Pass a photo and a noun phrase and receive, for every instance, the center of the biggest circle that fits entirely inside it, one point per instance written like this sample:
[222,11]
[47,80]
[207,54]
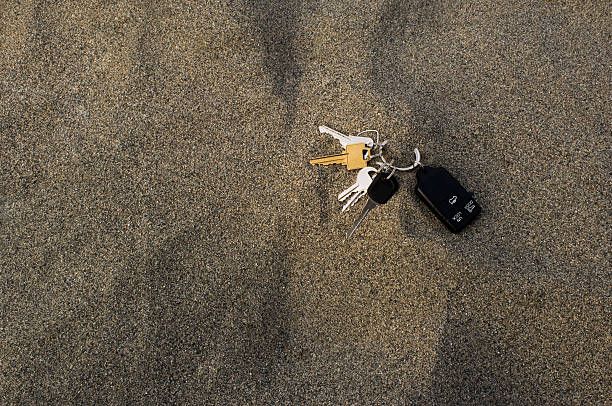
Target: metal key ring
[417,162]
[380,145]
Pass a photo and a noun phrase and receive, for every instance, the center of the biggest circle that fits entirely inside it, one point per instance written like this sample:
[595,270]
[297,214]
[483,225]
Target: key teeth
[323,129]
[347,192]
[346,208]
[347,205]
[353,201]
[343,198]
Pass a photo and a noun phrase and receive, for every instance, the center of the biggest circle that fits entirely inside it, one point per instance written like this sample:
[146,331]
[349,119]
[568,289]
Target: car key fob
[446,198]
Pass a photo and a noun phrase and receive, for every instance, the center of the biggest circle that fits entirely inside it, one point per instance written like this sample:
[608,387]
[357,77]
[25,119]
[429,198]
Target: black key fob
[445,196]
[383,187]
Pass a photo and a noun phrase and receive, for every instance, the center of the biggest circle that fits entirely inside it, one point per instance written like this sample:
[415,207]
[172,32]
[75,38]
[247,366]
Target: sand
[163,238]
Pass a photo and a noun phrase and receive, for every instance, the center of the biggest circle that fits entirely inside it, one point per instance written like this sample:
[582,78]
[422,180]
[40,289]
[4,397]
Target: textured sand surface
[163,238]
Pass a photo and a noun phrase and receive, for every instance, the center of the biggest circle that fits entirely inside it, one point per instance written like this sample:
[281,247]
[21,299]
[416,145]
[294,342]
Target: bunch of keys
[436,187]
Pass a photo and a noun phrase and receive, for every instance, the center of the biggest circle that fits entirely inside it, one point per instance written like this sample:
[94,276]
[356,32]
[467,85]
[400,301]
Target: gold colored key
[356,156]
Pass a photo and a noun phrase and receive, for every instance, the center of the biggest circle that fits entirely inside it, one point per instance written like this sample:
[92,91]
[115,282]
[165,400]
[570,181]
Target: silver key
[357,189]
[346,139]
[360,178]
[369,206]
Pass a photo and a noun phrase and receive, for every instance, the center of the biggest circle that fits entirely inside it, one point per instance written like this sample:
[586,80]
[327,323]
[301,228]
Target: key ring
[380,145]
[417,162]
[384,166]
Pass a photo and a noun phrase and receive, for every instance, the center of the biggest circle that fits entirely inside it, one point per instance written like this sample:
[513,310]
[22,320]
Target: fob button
[452,202]
[470,206]
[458,217]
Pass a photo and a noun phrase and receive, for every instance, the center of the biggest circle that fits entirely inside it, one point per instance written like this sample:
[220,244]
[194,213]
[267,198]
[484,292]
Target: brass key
[356,156]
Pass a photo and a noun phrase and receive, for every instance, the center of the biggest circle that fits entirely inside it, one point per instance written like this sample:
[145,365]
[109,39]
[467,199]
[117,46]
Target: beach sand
[163,238]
